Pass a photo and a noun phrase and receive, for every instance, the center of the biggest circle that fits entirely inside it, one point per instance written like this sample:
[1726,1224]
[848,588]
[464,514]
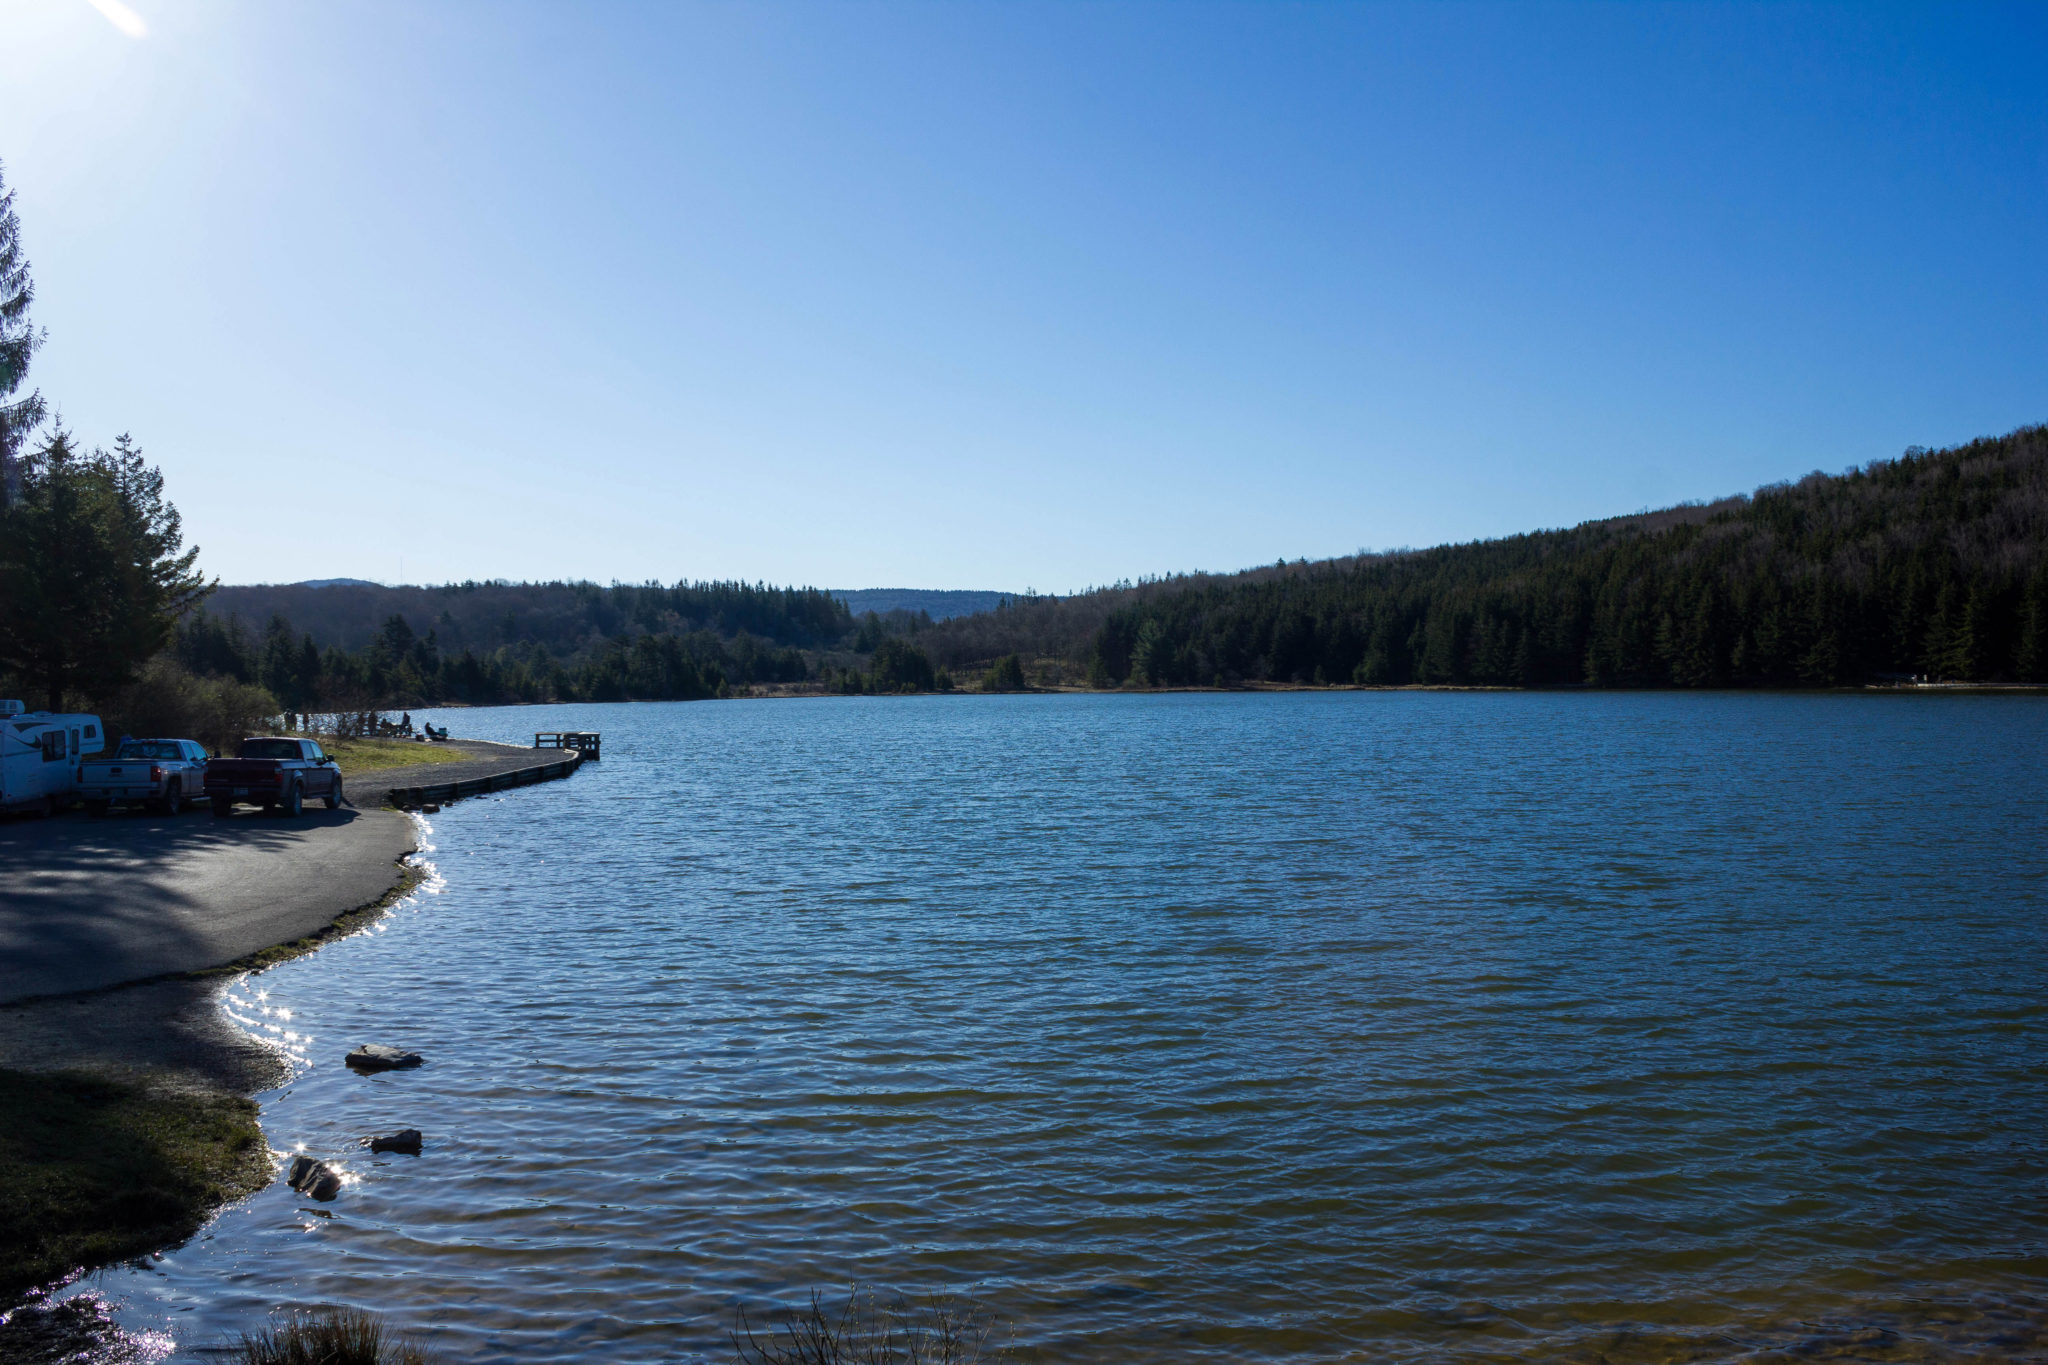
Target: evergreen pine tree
[18,342]
[2032,654]
[1969,641]
[93,576]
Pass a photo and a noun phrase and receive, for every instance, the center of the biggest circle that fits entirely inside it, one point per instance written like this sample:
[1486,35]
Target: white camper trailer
[39,754]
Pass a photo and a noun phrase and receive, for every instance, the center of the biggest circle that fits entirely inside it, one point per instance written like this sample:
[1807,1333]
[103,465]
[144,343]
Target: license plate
[241,791]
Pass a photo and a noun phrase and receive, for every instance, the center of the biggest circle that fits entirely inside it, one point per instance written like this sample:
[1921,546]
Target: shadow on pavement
[91,901]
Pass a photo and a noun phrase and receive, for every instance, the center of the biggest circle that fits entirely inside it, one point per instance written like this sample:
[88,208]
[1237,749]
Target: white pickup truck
[159,774]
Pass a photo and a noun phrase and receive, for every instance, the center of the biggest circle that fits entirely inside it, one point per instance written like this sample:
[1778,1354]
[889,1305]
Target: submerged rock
[315,1179]
[406,1140]
[378,1057]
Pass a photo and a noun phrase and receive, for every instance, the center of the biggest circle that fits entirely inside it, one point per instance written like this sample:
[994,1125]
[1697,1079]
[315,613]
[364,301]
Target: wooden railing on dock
[584,742]
[441,793]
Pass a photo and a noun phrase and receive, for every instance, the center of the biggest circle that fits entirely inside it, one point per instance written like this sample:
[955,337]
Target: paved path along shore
[481,759]
[87,902]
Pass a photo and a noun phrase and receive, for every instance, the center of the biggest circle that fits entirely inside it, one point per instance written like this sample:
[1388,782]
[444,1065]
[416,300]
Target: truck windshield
[149,748]
[270,748]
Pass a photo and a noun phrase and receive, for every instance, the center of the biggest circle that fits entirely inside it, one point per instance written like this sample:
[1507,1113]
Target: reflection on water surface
[1298,1027]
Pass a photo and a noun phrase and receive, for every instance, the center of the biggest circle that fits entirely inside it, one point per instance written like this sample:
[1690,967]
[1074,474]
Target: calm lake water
[1302,1027]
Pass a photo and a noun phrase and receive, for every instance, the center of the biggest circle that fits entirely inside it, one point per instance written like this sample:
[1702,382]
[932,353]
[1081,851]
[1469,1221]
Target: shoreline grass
[343,1336]
[95,1169]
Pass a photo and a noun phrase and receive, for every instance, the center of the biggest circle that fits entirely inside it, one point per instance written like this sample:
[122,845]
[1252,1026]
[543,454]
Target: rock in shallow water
[406,1140]
[315,1179]
[378,1057]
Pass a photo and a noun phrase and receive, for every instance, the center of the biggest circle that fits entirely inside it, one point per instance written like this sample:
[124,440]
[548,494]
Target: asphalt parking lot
[87,903]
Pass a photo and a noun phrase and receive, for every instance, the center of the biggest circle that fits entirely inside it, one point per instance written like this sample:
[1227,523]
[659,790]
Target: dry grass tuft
[865,1331]
[342,1336]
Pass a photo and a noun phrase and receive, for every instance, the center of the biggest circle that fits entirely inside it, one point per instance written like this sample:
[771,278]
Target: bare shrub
[167,702]
[352,723]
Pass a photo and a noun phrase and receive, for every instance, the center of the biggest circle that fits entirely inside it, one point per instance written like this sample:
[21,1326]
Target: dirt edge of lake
[126,1124]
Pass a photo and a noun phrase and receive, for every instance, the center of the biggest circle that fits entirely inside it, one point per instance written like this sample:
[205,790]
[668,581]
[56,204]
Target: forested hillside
[488,616]
[352,644]
[1932,564]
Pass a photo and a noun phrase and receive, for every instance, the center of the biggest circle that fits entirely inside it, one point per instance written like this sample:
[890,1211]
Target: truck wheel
[96,807]
[294,802]
[334,797]
[169,803]
[223,806]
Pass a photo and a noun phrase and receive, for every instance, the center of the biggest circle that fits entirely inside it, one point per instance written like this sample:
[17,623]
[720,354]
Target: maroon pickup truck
[276,774]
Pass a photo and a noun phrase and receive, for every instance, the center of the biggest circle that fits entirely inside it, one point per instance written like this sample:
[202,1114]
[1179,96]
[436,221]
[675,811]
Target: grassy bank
[373,755]
[94,1170]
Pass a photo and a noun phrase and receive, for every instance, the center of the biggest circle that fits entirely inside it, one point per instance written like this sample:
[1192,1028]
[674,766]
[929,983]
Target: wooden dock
[584,742]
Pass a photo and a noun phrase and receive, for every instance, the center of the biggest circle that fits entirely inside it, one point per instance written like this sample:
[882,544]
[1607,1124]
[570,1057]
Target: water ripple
[1352,1027]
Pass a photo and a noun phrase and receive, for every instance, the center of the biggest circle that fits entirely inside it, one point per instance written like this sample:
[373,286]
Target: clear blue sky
[1010,294]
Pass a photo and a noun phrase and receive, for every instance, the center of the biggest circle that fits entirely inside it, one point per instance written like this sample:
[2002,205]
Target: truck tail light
[156,774]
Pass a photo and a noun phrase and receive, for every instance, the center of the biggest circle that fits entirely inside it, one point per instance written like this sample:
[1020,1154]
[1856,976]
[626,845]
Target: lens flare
[121,17]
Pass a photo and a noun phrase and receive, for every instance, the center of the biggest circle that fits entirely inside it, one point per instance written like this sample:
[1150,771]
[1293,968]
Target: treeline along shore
[1930,566]
[350,646]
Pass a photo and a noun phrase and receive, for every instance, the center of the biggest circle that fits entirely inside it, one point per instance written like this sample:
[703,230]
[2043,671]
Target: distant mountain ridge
[940,604]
